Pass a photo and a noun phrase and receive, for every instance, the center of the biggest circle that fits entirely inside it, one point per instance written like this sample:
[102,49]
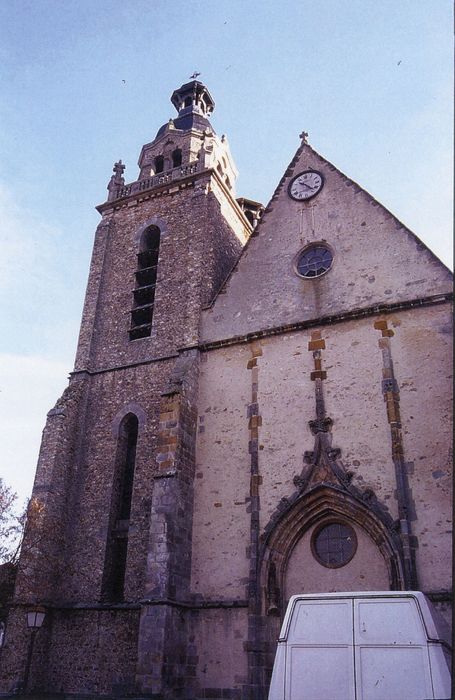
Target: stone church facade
[260,406]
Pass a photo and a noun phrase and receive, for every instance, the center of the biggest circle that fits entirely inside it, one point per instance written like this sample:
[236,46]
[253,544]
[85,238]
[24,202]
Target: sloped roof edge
[288,173]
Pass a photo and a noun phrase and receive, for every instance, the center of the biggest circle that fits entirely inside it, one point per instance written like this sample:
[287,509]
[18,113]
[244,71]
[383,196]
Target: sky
[86,82]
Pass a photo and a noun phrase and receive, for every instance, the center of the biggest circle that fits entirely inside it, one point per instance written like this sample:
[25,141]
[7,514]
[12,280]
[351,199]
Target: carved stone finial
[304,136]
[320,425]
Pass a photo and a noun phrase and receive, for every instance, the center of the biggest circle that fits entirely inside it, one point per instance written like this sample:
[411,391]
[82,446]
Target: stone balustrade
[164,178]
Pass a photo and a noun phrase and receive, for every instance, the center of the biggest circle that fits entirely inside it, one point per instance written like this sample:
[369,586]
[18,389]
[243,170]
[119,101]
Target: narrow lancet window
[119,517]
[144,292]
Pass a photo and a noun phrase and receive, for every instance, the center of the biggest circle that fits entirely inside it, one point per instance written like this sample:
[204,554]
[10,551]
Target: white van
[362,646]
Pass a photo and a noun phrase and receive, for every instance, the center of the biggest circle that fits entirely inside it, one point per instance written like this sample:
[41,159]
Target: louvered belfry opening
[144,292]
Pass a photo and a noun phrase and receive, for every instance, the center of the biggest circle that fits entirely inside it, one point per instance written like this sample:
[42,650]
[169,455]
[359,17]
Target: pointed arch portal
[289,563]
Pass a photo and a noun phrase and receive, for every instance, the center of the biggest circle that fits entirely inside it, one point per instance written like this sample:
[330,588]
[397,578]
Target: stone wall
[354,400]
[277,371]
[219,638]
[221,505]
[76,651]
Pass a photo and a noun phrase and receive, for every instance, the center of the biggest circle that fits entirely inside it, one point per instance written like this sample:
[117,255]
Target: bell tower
[166,240]
[114,485]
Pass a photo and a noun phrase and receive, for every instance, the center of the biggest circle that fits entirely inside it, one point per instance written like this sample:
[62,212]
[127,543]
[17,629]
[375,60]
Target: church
[260,406]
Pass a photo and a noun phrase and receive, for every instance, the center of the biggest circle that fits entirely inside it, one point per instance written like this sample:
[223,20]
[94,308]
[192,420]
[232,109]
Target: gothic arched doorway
[298,549]
[328,540]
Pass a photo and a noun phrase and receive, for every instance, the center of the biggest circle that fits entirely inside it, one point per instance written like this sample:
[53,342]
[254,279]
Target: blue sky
[85,83]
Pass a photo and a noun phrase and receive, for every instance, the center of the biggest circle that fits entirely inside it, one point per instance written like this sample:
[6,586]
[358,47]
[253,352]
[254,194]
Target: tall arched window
[119,516]
[144,292]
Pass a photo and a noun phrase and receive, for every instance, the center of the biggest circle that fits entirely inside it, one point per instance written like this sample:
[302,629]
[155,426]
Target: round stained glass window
[334,544]
[314,261]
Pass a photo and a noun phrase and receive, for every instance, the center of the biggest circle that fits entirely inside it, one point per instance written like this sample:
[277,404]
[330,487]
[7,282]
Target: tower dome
[194,105]
[188,141]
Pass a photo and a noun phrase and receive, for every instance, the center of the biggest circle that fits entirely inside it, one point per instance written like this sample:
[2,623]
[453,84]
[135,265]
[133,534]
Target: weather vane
[194,76]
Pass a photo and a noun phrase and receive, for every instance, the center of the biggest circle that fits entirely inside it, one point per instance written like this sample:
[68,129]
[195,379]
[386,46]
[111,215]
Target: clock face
[306,185]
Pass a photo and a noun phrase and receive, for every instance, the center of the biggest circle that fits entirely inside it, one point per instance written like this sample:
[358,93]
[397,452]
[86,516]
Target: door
[391,652]
[320,652]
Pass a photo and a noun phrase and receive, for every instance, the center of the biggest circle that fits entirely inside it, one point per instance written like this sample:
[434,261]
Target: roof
[192,120]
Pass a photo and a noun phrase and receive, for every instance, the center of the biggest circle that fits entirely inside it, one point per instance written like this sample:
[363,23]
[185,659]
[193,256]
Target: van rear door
[319,651]
[391,652]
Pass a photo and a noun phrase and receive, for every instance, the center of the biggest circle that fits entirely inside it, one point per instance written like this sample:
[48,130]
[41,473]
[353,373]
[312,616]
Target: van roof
[436,627]
[359,594]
